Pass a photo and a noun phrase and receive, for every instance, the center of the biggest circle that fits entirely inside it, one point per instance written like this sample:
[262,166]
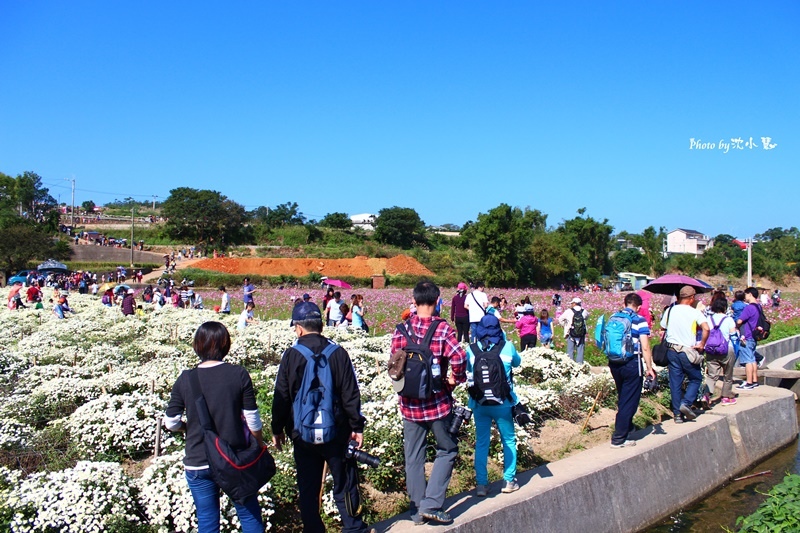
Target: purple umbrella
[671,284]
[338,283]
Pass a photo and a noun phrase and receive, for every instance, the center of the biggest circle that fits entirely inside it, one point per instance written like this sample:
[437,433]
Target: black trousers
[462,328]
[310,460]
[527,341]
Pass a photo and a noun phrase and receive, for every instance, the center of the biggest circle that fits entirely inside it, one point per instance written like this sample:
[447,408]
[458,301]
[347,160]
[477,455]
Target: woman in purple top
[459,314]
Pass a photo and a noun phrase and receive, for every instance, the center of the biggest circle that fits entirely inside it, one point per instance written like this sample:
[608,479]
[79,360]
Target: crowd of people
[429,359]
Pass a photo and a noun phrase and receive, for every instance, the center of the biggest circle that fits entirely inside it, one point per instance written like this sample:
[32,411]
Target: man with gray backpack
[317,402]
[625,339]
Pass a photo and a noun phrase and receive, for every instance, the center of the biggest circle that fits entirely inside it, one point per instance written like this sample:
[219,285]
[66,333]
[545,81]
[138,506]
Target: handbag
[239,473]
[660,350]
[521,414]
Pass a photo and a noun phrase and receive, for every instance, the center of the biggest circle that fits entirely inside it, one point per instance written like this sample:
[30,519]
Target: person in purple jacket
[747,323]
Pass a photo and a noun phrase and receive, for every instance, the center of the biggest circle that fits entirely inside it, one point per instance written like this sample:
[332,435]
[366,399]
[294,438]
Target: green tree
[22,240]
[203,216]
[33,199]
[336,221]
[551,258]
[652,243]
[589,240]
[630,260]
[502,240]
[88,206]
[399,226]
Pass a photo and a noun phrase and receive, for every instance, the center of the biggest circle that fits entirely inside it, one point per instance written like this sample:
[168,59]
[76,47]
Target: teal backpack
[615,337]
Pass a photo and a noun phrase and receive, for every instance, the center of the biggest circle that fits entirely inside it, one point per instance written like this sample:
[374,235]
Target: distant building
[687,241]
[632,281]
[364,221]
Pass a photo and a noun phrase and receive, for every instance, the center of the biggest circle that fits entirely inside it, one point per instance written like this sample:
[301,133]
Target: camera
[650,384]
[361,456]
[460,415]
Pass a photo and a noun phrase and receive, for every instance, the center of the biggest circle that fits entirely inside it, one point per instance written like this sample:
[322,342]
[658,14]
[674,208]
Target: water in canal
[736,498]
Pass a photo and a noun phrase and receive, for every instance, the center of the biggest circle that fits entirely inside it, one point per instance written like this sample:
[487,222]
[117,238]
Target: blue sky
[447,107]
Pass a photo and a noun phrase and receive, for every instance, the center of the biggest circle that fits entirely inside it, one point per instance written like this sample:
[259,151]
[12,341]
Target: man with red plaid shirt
[434,413]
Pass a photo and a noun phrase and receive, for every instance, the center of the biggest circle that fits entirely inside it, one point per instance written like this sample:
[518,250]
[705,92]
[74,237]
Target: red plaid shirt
[444,346]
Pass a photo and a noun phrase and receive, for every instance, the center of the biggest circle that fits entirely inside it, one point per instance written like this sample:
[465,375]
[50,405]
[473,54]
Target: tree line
[512,246]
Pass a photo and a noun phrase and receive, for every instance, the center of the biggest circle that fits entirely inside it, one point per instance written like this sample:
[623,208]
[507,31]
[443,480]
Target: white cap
[576,300]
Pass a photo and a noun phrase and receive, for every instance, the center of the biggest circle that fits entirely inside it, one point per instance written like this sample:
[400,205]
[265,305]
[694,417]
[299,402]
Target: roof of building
[688,231]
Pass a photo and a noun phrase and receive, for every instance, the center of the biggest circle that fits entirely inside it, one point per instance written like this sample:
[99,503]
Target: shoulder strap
[426,341]
[200,401]
[477,302]
[715,326]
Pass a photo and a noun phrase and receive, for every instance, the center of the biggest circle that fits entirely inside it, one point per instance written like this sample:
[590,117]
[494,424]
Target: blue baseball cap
[306,311]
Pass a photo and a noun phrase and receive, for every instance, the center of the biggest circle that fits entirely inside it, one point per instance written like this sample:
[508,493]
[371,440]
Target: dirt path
[155,274]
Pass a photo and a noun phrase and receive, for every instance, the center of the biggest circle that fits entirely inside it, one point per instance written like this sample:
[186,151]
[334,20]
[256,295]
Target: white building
[364,221]
[687,241]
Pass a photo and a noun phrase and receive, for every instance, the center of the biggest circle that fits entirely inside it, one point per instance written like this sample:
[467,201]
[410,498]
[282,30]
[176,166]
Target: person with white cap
[128,303]
[573,320]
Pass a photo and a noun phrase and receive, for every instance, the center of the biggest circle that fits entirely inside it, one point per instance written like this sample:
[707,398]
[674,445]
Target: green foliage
[204,217]
[502,240]
[652,243]
[88,206]
[589,240]
[287,214]
[780,512]
[631,260]
[22,241]
[399,226]
[336,221]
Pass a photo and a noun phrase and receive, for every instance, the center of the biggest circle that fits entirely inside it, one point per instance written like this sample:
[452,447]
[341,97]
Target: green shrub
[780,512]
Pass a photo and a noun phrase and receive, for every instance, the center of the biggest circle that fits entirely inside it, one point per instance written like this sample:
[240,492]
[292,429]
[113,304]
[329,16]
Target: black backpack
[578,328]
[489,383]
[422,376]
[762,327]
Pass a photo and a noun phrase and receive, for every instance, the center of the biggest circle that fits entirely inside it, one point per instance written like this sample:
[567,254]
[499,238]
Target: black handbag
[239,473]
[660,350]
[521,414]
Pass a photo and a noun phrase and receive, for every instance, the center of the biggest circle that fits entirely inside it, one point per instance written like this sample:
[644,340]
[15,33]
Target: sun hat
[576,300]
[489,330]
[462,286]
[397,369]
[527,308]
[305,311]
[306,297]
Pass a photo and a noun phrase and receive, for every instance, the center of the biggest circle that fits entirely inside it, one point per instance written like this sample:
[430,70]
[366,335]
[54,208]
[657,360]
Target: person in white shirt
[476,304]
[225,304]
[682,322]
[573,320]
[333,310]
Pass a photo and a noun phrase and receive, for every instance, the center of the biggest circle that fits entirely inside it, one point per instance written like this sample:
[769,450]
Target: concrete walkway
[628,489]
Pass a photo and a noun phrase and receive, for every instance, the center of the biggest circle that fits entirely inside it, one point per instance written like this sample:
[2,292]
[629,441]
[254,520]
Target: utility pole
[154,202]
[73,204]
[132,208]
[750,262]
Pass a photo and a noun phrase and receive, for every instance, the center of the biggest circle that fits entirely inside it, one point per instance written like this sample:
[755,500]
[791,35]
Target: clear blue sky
[447,107]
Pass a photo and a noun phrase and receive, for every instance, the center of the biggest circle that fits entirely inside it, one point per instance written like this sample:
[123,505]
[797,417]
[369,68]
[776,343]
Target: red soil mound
[358,267]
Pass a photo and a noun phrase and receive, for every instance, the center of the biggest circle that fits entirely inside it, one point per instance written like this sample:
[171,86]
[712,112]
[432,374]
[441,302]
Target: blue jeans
[680,367]
[473,329]
[205,494]
[628,379]
[501,414]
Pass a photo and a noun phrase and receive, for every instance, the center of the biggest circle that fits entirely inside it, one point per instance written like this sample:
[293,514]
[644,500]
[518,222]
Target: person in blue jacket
[489,334]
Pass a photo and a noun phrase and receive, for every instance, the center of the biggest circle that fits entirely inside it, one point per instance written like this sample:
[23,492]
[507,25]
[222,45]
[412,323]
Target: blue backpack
[616,339]
[314,406]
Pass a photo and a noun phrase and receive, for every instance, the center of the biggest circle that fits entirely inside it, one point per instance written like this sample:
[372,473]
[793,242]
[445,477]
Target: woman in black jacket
[228,391]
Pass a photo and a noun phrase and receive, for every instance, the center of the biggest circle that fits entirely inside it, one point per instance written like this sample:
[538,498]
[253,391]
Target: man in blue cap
[311,458]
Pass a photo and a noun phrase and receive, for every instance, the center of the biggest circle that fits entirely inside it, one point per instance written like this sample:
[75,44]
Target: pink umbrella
[670,284]
[338,283]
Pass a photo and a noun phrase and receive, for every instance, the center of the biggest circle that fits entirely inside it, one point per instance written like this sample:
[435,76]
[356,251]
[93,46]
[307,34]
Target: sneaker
[481,490]
[687,412]
[418,519]
[706,401]
[728,401]
[437,516]
[747,386]
[678,419]
[624,444]
[510,486]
